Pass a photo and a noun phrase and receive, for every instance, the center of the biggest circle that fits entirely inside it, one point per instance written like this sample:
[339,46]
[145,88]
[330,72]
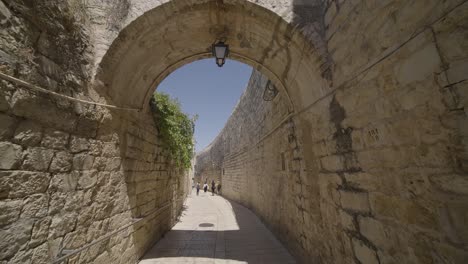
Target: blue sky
[211,92]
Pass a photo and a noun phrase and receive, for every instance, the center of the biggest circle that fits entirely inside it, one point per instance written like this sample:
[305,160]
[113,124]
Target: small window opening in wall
[283,162]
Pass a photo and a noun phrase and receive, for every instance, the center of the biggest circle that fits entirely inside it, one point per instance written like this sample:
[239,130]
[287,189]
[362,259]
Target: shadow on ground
[216,230]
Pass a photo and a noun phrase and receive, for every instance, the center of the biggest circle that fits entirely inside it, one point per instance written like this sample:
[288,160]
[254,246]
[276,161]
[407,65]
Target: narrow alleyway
[215,230]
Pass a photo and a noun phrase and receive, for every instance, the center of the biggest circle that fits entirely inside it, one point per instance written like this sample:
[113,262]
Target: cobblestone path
[215,230]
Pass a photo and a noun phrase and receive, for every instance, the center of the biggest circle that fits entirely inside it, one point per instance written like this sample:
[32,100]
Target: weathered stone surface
[62,162]
[84,162]
[451,183]
[78,144]
[10,156]
[363,253]
[40,232]
[62,224]
[356,201]
[37,159]
[347,220]
[44,111]
[7,126]
[14,237]
[55,140]
[379,114]
[374,231]
[10,211]
[5,13]
[113,164]
[35,206]
[15,184]
[41,254]
[63,182]
[86,179]
[28,134]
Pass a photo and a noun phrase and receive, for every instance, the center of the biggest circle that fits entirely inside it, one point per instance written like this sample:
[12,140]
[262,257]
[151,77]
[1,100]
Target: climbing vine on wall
[175,127]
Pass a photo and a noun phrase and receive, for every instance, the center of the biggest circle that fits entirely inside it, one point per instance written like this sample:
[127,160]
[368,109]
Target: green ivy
[175,128]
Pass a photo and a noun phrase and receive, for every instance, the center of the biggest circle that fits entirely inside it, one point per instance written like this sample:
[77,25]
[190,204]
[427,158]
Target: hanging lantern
[220,52]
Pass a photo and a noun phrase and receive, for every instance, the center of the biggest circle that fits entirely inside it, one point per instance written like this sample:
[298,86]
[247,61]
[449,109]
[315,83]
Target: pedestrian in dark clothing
[213,187]
[219,188]
[198,188]
[205,187]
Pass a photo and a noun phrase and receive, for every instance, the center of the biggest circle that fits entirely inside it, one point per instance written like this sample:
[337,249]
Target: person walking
[205,187]
[198,187]
[213,187]
[219,188]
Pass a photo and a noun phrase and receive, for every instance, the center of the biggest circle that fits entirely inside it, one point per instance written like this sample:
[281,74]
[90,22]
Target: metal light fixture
[220,52]
[270,91]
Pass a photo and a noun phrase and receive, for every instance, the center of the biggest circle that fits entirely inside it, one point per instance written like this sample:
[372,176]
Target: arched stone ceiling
[177,32]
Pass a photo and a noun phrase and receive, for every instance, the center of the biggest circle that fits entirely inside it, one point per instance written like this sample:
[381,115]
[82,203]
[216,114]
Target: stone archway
[291,54]
[167,36]
[375,139]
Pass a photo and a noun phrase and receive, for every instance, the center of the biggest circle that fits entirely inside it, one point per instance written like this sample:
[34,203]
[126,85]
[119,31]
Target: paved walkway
[215,230]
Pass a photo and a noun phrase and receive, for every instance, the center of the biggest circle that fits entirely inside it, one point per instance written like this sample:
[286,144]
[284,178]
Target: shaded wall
[72,173]
[376,166]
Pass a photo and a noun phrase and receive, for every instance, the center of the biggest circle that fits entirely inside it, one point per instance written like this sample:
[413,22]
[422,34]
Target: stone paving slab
[213,230]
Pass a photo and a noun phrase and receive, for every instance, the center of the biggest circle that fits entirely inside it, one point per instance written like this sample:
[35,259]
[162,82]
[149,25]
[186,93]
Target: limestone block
[64,182]
[15,184]
[62,162]
[37,159]
[453,219]
[86,179]
[5,13]
[418,66]
[41,254]
[331,163]
[356,201]
[10,211]
[347,220]
[75,239]
[23,256]
[15,237]
[374,231]
[453,183]
[40,109]
[28,134]
[450,253]
[363,253]
[110,150]
[10,156]
[457,71]
[35,206]
[4,100]
[40,232]
[55,246]
[87,127]
[7,126]
[113,164]
[84,162]
[100,163]
[86,215]
[79,144]
[407,211]
[49,68]
[95,147]
[62,224]
[55,140]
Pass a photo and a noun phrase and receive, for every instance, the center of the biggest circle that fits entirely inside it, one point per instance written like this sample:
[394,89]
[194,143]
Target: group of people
[215,187]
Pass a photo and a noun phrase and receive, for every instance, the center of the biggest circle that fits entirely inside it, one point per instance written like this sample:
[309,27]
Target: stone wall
[370,166]
[71,173]
[376,167]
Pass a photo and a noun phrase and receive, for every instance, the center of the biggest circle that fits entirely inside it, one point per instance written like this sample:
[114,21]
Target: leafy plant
[175,127]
